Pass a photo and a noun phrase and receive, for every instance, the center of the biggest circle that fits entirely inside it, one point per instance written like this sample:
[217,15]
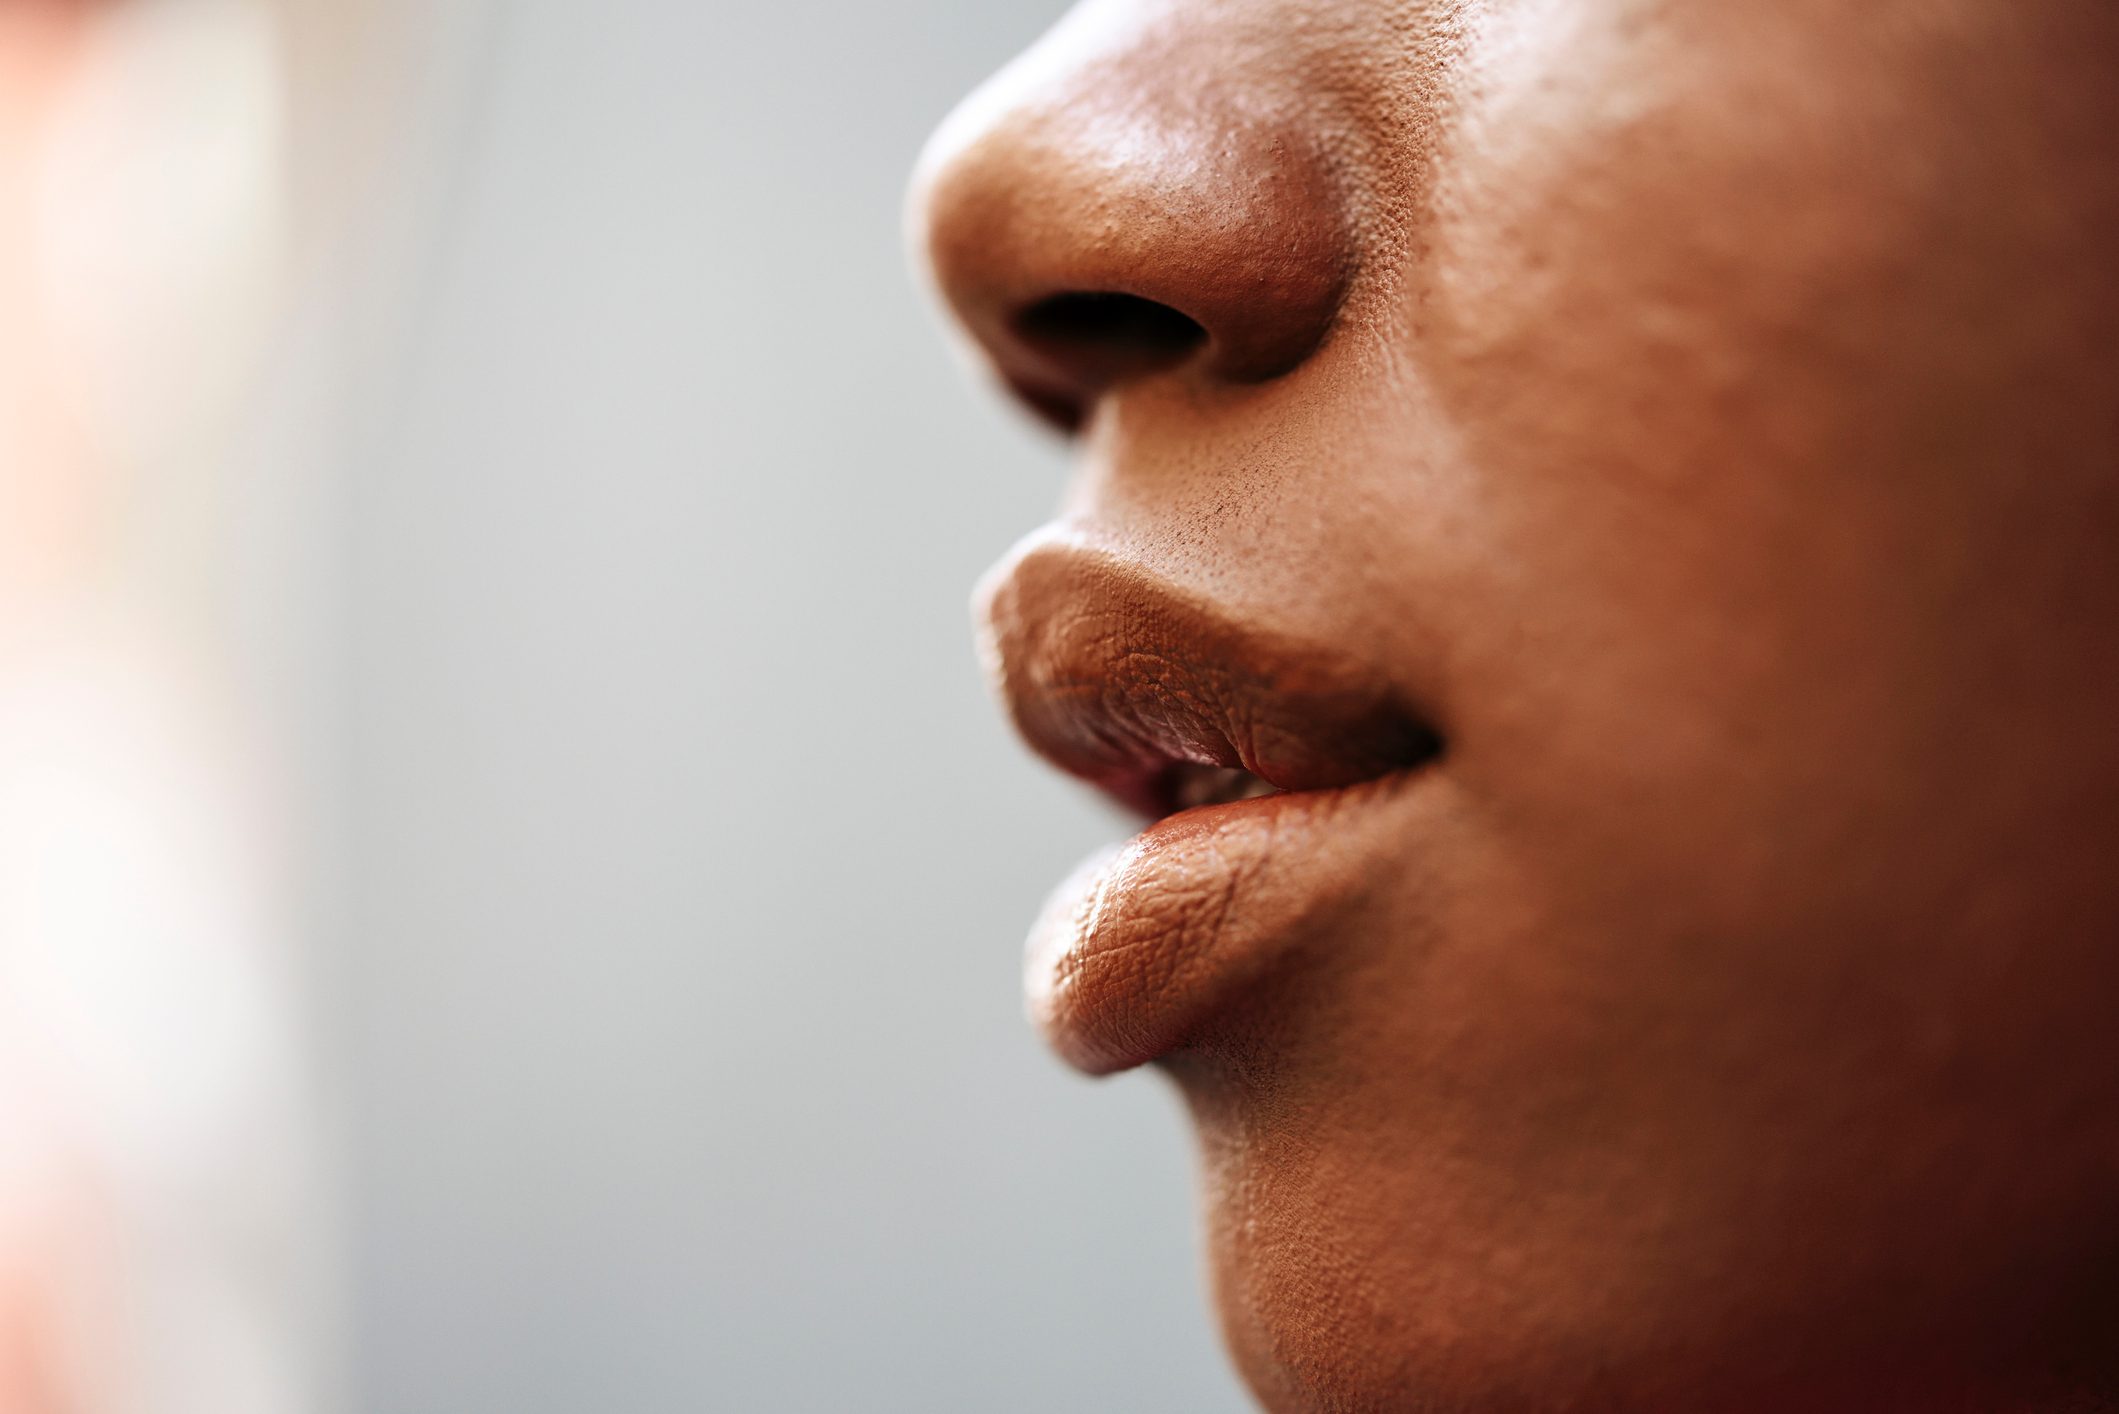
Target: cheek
[1705,1006]
[1720,567]
[1774,560]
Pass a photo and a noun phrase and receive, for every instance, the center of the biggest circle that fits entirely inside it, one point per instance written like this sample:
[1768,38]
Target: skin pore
[1701,422]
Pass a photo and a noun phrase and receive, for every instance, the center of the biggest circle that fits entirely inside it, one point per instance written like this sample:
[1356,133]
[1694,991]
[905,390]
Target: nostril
[1097,338]
[1089,229]
[1104,319]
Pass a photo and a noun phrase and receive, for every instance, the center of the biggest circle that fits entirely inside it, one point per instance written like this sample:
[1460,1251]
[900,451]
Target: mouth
[1188,785]
[1263,766]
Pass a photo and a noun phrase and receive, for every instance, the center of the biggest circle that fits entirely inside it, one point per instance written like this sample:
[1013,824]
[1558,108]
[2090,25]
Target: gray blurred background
[669,1001]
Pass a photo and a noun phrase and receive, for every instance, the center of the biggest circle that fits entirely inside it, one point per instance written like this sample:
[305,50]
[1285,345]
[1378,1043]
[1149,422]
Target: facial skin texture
[1706,417]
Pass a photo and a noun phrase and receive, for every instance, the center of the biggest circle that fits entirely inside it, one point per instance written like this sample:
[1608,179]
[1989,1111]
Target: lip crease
[1262,765]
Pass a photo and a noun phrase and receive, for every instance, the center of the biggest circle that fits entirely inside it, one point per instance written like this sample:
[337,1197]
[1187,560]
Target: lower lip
[1148,940]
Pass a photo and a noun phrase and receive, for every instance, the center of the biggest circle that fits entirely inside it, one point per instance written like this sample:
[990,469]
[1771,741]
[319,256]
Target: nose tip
[1095,222]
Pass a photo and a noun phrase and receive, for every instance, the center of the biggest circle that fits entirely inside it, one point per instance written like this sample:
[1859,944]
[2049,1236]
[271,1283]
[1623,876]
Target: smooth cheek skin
[1719,435]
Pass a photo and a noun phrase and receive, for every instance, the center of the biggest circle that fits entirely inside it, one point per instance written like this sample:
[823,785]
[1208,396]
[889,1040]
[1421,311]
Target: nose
[1127,200]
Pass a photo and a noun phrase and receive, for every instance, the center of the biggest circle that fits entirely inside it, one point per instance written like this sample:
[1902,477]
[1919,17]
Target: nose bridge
[1130,199]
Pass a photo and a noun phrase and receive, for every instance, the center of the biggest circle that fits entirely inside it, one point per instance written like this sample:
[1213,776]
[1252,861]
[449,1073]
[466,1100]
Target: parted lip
[1269,766]
[1128,682]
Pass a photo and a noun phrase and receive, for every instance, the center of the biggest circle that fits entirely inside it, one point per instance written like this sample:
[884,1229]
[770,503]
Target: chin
[1353,1269]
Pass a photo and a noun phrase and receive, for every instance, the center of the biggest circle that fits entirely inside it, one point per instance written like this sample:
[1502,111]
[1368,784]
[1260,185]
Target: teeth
[1218,785]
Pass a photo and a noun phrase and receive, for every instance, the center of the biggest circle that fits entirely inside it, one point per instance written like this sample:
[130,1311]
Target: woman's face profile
[1594,545]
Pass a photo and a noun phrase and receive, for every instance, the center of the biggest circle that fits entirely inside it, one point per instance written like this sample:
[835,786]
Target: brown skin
[1708,413]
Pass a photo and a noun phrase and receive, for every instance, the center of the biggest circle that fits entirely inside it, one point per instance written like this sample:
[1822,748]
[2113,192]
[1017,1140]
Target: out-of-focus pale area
[159,1214]
[510,886]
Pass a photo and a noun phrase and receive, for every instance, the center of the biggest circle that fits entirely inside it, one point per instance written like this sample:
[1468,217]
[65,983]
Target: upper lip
[1123,679]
